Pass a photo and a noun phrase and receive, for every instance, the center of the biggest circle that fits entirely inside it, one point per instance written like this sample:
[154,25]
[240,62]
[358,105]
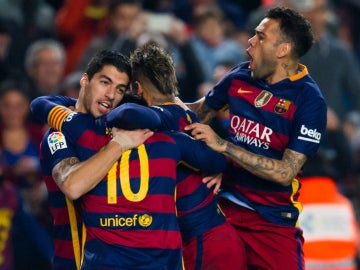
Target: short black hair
[295,27]
[108,58]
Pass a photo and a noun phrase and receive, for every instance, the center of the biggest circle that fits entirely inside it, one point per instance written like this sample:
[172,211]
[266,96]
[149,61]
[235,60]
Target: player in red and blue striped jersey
[277,120]
[130,216]
[73,123]
[109,73]
[205,232]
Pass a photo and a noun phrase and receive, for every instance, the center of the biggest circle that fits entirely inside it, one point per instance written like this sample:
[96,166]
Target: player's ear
[284,49]
[139,88]
[134,87]
[84,80]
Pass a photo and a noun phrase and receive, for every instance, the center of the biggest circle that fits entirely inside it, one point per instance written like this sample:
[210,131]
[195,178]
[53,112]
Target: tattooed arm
[76,178]
[280,171]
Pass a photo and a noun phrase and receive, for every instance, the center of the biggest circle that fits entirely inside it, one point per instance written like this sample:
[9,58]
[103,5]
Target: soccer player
[277,120]
[102,87]
[209,242]
[130,220]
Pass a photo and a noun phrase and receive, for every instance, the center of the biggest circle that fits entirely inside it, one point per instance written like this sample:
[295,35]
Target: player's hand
[213,181]
[205,133]
[129,139]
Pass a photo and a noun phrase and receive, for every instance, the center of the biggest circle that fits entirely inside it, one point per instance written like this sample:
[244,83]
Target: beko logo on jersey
[56,141]
[143,220]
[311,135]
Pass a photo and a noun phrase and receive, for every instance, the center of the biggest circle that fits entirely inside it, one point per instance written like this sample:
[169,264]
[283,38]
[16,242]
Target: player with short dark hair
[277,120]
[146,196]
[102,88]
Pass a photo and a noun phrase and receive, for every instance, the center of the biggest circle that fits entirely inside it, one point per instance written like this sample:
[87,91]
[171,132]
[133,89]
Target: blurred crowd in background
[45,44]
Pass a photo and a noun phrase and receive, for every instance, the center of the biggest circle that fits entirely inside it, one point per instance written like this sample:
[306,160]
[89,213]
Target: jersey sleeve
[217,98]
[198,155]
[41,106]
[309,125]
[72,124]
[56,147]
[133,116]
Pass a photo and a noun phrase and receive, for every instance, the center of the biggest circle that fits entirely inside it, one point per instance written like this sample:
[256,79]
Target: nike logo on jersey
[242,91]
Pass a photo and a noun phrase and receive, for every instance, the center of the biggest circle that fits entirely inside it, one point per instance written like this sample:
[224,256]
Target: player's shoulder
[78,120]
[239,71]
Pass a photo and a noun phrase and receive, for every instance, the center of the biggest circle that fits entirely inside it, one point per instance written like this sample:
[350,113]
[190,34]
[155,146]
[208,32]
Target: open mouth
[104,107]
[251,63]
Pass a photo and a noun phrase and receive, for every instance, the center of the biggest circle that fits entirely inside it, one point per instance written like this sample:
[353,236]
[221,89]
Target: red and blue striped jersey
[66,215]
[130,216]
[265,120]
[196,204]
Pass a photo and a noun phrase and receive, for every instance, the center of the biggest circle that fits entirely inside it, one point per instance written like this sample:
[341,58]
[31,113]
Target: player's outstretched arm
[280,171]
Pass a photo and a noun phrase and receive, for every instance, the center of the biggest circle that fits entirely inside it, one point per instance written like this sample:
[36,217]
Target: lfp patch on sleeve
[56,141]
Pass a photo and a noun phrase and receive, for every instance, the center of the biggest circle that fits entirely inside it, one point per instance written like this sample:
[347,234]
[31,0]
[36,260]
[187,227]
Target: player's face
[104,91]
[262,49]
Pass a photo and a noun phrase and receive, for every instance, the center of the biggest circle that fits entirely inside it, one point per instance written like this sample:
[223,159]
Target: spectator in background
[234,18]
[26,21]
[19,141]
[171,33]
[14,218]
[334,158]
[210,42]
[76,23]
[351,128]
[5,43]
[44,63]
[332,65]
[220,123]
[122,14]
[70,85]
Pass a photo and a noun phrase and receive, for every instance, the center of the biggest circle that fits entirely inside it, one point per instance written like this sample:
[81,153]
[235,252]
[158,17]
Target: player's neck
[283,71]
[160,99]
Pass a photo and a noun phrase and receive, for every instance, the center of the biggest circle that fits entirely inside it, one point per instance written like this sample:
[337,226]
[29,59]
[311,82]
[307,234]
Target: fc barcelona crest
[282,106]
[263,98]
